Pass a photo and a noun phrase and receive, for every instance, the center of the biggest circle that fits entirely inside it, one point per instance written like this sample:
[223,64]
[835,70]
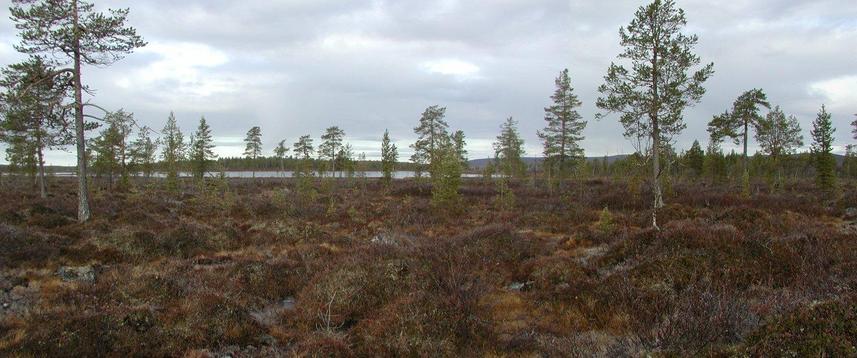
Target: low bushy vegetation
[258,269]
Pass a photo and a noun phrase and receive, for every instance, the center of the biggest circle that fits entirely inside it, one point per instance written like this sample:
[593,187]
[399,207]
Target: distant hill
[481,163]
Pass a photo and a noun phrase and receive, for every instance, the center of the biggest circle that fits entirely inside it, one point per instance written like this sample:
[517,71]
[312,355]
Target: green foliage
[505,200]
[605,224]
[303,149]
[389,157]
[737,124]
[778,135]
[447,179]
[107,151]
[201,150]
[173,152]
[743,117]
[33,117]
[564,128]
[652,90]
[695,159]
[253,145]
[110,149]
[822,149]
[458,141]
[509,150]
[849,166]
[73,32]
[143,152]
[280,153]
[714,165]
[331,147]
[432,132]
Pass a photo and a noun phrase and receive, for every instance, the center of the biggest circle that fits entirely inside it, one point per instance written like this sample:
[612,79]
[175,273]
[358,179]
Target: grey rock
[851,214]
[77,274]
[393,239]
[519,286]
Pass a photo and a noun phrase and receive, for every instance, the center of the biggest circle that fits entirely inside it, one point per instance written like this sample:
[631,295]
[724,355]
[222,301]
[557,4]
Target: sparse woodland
[151,250]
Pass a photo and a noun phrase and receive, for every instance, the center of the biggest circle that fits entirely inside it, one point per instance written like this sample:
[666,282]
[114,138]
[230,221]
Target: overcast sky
[295,67]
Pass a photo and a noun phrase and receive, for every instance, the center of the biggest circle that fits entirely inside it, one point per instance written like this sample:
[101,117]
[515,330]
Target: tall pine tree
[202,150]
[389,157]
[564,128]
[331,146]
[652,89]
[280,152]
[509,150]
[143,152]
[34,117]
[822,150]
[174,151]
[253,147]
[73,32]
[736,125]
[778,135]
[432,133]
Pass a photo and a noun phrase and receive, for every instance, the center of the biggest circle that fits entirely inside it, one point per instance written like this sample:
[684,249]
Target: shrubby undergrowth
[259,269]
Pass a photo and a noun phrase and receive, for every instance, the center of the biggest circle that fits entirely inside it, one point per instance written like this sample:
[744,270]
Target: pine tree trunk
[83,210]
[658,200]
[43,190]
[745,176]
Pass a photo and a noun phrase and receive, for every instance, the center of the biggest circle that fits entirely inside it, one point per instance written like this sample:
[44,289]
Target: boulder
[850,214]
[77,273]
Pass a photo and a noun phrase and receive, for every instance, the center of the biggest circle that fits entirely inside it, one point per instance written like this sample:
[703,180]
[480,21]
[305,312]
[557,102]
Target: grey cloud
[296,67]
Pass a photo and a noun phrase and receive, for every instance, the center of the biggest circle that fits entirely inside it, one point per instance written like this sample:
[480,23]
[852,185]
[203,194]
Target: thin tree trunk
[43,190]
[83,210]
[745,178]
[656,168]
[658,200]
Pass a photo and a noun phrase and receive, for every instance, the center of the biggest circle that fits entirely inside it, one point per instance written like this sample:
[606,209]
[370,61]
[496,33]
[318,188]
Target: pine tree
[303,150]
[822,149]
[653,93]
[854,127]
[509,150]
[106,148]
[431,132]
[459,142]
[714,165]
[778,135]
[695,158]
[33,115]
[331,146]
[253,147]
[280,153]
[143,152]
[447,178]
[202,150]
[124,123]
[737,124]
[389,157]
[564,129]
[73,32]
[174,150]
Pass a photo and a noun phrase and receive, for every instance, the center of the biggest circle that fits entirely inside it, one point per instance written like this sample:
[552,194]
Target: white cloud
[183,67]
[452,67]
[839,91]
